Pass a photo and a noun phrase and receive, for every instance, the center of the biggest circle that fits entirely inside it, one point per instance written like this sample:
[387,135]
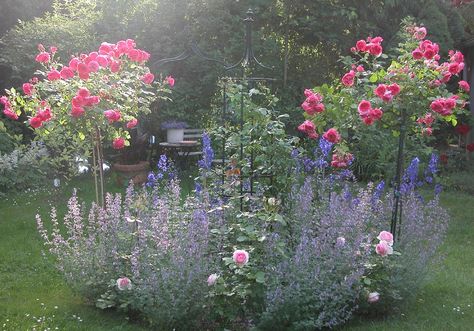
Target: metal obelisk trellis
[246,64]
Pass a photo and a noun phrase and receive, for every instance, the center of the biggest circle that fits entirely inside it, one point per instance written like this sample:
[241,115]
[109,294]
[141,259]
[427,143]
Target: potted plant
[131,163]
[174,130]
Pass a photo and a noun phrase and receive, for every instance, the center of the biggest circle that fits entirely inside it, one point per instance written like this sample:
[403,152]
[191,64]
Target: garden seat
[192,135]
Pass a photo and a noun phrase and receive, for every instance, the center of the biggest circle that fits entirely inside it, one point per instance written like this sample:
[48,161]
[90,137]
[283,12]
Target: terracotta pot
[137,173]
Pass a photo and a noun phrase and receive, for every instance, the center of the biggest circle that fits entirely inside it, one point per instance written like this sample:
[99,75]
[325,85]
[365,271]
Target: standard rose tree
[96,96]
[410,93]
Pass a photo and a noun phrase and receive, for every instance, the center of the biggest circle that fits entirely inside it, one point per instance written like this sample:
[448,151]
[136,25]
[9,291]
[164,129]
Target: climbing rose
[54,75]
[313,103]
[387,92]
[308,128]
[348,79]
[43,57]
[77,111]
[112,115]
[124,284]
[170,80]
[10,114]
[148,78]
[66,73]
[36,122]
[118,143]
[386,236]
[132,123]
[44,115]
[420,33]
[383,249]
[332,136]
[240,257]
[341,160]
[28,88]
[464,86]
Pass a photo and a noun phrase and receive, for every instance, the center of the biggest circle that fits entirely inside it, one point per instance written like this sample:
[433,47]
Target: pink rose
[132,123]
[360,68]
[114,66]
[102,61]
[308,128]
[364,106]
[93,66]
[66,73]
[373,297]
[83,92]
[348,78]
[375,49]
[112,115]
[78,101]
[332,136]
[464,86]
[118,143]
[36,122]
[10,114]
[74,63]
[386,236]
[148,78]
[420,33]
[77,111]
[83,71]
[417,54]
[44,115]
[124,284]
[43,57]
[383,249]
[212,279]
[54,75]
[53,49]
[106,48]
[240,257]
[170,81]
[28,88]
[361,46]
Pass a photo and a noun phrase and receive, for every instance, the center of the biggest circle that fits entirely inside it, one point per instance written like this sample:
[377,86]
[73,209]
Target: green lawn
[29,286]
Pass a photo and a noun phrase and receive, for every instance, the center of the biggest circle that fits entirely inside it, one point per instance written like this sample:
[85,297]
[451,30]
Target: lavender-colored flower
[438,189]
[325,147]
[163,163]
[409,180]
[207,153]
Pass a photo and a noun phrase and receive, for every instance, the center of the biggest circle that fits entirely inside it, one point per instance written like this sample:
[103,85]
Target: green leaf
[260,277]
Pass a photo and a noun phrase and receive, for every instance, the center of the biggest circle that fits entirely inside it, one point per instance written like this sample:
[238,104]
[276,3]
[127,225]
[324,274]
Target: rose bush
[409,94]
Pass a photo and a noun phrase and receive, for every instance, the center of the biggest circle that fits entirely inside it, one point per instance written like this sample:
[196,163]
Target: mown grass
[29,286]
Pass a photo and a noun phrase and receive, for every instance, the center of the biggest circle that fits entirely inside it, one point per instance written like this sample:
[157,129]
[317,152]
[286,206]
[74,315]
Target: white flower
[211,280]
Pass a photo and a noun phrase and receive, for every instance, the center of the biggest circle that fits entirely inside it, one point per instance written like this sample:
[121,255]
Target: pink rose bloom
[170,80]
[106,48]
[148,78]
[124,284]
[10,114]
[43,57]
[118,143]
[386,236]
[375,49]
[464,86]
[67,73]
[28,88]
[74,63]
[77,111]
[91,100]
[332,136]
[132,123]
[364,106]
[212,279]
[36,122]
[83,92]
[93,66]
[44,115]
[308,128]
[360,68]
[78,101]
[361,46]
[112,115]
[457,57]
[417,54]
[53,49]
[83,70]
[114,66]
[383,249]
[373,297]
[420,33]
[102,61]
[240,257]
[54,75]
[348,78]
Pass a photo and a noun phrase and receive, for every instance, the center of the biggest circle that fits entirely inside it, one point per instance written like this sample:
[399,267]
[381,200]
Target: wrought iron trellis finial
[248,55]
